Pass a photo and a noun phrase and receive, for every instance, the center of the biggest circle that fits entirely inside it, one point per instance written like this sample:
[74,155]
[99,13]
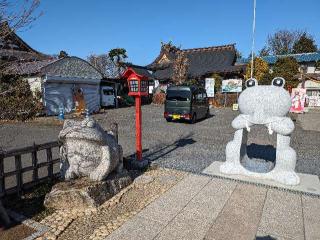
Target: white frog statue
[88,150]
[265,105]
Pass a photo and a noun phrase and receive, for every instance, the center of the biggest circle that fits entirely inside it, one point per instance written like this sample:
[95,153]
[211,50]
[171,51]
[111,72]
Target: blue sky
[82,27]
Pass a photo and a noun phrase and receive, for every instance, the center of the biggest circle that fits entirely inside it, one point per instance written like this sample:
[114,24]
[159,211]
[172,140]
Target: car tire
[169,119]
[194,119]
[208,113]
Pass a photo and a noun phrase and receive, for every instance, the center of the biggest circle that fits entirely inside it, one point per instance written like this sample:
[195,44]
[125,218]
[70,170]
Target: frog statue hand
[268,106]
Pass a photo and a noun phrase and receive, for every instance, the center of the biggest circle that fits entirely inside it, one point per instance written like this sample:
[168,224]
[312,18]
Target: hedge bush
[17,101]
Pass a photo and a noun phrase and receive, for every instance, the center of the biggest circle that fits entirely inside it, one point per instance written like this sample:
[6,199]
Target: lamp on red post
[138,87]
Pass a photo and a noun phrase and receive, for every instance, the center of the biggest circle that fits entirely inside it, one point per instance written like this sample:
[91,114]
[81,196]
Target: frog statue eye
[251,82]
[278,82]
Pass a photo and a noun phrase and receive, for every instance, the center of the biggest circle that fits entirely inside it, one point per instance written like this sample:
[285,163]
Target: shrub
[125,101]
[260,69]
[17,101]
[229,100]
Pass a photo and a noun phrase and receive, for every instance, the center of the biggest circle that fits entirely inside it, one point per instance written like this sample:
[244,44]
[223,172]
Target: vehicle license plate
[176,116]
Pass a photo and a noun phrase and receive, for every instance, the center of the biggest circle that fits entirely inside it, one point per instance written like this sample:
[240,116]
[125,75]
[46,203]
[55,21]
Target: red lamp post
[138,86]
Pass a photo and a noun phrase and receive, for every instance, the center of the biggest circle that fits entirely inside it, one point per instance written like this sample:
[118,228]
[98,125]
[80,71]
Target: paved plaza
[201,207]
[187,147]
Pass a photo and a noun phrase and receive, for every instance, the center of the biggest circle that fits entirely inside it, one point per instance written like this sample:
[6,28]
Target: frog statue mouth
[268,106]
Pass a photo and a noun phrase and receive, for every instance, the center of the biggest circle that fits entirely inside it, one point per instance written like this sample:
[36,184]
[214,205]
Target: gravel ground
[17,232]
[175,145]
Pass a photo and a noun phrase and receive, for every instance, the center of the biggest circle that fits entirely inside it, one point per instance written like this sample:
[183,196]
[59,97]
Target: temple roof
[18,58]
[143,71]
[202,61]
[12,47]
[300,57]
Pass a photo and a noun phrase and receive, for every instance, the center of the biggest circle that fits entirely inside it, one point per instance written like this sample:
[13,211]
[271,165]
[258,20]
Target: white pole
[253,32]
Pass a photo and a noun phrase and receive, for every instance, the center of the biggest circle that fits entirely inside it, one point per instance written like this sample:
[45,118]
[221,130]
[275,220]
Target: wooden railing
[19,170]
[35,166]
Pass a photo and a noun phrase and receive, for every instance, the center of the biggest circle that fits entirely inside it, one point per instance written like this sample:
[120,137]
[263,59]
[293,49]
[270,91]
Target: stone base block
[83,193]
[134,164]
[309,184]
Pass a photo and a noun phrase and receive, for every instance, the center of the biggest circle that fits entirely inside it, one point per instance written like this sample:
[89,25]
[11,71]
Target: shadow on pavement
[167,149]
[266,238]
[265,152]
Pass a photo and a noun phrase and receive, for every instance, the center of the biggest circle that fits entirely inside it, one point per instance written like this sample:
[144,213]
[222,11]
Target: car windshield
[107,91]
[178,95]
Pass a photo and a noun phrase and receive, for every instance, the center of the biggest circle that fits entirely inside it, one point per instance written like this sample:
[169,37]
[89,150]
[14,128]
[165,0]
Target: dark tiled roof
[12,47]
[25,68]
[64,67]
[143,71]
[12,55]
[202,61]
[71,67]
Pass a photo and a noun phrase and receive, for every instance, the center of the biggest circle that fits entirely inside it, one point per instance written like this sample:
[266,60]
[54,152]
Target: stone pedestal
[83,193]
[132,163]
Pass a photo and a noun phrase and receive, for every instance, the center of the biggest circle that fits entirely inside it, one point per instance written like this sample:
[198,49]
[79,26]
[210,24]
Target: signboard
[210,87]
[232,85]
[298,98]
[235,107]
[314,101]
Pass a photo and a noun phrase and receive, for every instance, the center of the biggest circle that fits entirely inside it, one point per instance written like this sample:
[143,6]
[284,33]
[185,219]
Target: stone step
[195,219]
[239,219]
[282,216]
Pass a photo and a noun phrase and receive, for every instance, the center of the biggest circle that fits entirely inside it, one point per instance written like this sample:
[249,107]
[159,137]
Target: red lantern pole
[138,128]
[138,87]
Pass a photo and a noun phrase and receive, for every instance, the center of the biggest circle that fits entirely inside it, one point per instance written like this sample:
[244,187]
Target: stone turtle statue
[88,151]
[268,106]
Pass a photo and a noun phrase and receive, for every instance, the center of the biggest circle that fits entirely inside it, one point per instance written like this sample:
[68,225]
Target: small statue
[88,150]
[264,105]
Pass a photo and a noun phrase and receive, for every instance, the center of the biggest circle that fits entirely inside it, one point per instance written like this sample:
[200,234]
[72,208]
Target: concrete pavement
[201,207]
[310,121]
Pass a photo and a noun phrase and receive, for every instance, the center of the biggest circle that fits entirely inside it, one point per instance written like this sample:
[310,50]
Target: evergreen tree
[288,68]
[118,55]
[63,54]
[304,44]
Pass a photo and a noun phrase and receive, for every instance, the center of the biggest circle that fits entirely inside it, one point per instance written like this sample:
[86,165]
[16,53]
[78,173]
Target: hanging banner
[210,87]
[298,98]
[231,85]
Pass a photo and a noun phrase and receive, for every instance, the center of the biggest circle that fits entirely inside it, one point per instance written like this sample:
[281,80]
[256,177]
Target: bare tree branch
[180,68]
[282,41]
[104,64]
[18,14]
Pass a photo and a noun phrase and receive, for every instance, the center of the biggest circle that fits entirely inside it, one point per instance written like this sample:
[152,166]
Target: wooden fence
[19,170]
[32,151]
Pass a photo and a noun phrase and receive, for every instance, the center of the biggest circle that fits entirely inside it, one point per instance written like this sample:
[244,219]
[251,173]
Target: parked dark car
[186,103]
